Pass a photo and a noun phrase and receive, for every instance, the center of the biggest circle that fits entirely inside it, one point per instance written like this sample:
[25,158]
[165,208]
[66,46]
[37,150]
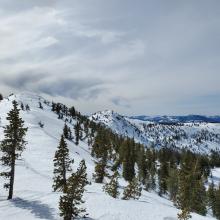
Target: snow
[33,195]
[200,137]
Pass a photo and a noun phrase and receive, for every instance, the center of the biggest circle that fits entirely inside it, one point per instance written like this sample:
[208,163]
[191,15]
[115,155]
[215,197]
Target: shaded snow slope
[33,195]
[198,137]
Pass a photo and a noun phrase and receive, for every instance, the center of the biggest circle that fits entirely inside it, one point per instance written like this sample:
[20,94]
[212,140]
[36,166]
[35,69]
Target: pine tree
[77,132]
[184,215]
[142,164]
[100,150]
[162,178]
[72,198]
[172,183]
[133,190]
[40,105]
[100,170]
[27,107]
[22,106]
[12,145]
[128,160]
[112,187]
[217,203]
[184,188]
[62,165]
[211,193]
[66,131]
[72,112]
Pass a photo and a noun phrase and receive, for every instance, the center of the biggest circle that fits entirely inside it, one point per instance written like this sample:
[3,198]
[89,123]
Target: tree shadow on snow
[37,208]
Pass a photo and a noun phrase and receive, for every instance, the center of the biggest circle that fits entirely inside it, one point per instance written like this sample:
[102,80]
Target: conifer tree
[40,105]
[1,97]
[22,106]
[77,132]
[12,145]
[128,160]
[172,183]
[72,112]
[65,131]
[217,203]
[27,107]
[100,169]
[100,150]
[184,214]
[62,165]
[211,193]
[70,202]
[184,188]
[112,187]
[132,190]
[162,178]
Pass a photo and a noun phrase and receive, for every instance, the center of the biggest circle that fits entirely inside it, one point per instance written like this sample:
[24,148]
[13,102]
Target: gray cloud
[158,57]
[73,88]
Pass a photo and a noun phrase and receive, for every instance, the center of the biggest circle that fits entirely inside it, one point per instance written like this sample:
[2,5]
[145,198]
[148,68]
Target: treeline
[179,175]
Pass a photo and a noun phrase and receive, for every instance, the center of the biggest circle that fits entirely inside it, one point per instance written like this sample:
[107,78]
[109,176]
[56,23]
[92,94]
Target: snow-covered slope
[200,137]
[33,195]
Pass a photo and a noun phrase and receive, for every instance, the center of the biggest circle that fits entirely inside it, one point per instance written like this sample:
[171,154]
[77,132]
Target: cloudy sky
[136,57]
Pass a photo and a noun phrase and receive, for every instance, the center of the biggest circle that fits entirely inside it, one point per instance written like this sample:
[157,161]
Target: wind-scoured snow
[33,195]
[199,137]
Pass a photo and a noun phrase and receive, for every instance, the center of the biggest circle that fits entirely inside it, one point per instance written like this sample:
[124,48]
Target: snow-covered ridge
[34,198]
[200,137]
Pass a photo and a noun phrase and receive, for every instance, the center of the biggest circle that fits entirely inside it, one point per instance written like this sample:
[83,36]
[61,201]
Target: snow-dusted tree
[132,190]
[184,214]
[12,145]
[27,107]
[67,132]
[112,187]
[77,128]
[40,105]
[70,202]
[62,165]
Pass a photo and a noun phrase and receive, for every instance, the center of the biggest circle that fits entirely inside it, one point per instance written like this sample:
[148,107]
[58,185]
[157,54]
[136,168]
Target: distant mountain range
[178,119]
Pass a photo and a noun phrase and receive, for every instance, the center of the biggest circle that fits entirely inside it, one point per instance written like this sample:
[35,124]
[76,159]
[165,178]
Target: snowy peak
[191,132]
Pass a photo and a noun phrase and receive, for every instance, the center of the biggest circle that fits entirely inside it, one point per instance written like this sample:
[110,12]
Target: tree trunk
[11,186]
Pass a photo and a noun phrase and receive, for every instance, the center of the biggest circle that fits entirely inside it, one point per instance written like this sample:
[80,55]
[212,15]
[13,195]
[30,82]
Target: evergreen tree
[70,202]
[72,112]
[184,215]
[142,164]
[112,187]
[217,203]
[162,178]
[22,106]
[100,150]
[211,193]
[62,164]
[184,188]
[40,105]
[1,97]
[128,160]
[12,145]
[133,190]
[65,131]
[77,132]
[27,107]
[172,183]
[100,170]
